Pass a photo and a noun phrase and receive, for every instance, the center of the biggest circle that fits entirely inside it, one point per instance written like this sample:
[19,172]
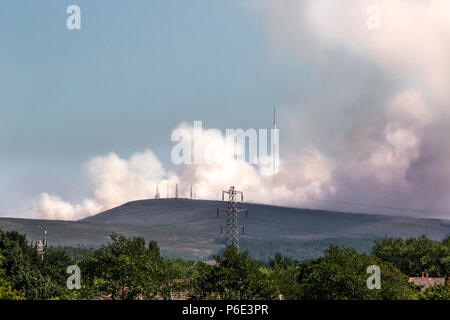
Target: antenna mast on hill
[176,191]
[157,196]
[191,191]
[232,216]
[274,141]
[274,117]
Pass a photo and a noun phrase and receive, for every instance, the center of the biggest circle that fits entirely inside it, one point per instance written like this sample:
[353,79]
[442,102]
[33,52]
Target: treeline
[130,268]
[75,253]
[416,255]
[24,274]
[264,248]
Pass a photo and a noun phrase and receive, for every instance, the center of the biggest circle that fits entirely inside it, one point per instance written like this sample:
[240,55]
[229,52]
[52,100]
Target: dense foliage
[130,268]
[26,272]
[6,290]
[127,269]
[234,276]
[75,254]
[341,275]
[416,255]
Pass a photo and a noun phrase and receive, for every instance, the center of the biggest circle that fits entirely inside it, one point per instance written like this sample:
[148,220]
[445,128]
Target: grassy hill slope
[190,228]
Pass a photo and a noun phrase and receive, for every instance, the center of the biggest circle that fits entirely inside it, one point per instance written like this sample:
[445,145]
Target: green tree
[234,276]
[126,269]
[284,272]
[341,275]
[436,292]
[280,261]
[25,270]
[415,255]
[154,248]
[6,291]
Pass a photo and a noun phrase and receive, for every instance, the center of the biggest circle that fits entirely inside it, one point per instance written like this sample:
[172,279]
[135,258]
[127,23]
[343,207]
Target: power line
[367,205]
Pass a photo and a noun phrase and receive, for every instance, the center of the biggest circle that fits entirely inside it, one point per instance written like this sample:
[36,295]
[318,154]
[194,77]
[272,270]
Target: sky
[87,115]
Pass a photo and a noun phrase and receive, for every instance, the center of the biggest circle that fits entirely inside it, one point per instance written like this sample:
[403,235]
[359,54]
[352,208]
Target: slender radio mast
[157,196]
[274,141]
[274,117]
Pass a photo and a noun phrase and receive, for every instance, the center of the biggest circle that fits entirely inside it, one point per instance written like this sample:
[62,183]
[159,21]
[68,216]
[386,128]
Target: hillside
[190,228]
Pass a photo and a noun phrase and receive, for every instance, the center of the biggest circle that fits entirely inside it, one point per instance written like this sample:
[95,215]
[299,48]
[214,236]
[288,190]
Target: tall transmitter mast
[275,139]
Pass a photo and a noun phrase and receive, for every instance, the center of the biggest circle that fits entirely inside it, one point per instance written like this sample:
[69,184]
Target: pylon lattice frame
[232,211]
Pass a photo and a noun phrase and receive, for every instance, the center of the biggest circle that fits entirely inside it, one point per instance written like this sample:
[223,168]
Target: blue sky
[122,83]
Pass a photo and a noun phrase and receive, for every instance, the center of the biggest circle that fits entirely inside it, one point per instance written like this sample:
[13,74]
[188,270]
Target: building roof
[425,282]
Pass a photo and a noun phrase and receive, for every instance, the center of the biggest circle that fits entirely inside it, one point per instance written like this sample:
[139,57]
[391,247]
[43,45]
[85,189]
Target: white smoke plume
[384,143]
[394,153]
[116,181]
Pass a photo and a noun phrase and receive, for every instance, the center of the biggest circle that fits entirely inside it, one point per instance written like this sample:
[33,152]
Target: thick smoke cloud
[116,181]
[375,135]
[394,153]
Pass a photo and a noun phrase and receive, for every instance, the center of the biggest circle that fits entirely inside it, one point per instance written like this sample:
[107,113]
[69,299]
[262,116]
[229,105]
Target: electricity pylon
[232,211]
